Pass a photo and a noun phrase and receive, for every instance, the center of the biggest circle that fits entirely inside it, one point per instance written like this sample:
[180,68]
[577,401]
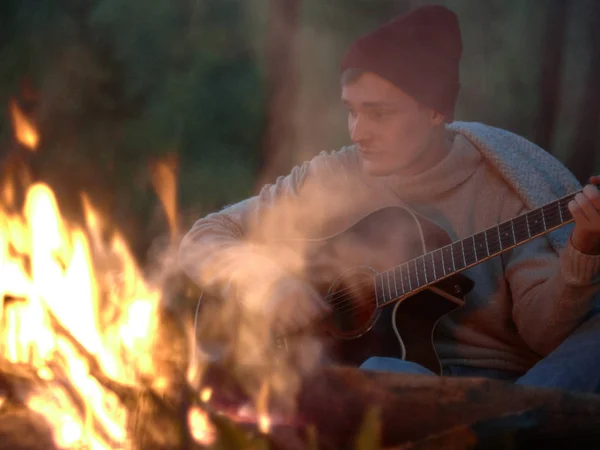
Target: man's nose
[359,130]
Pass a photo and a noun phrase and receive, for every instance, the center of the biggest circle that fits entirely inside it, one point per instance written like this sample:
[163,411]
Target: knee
[382,364]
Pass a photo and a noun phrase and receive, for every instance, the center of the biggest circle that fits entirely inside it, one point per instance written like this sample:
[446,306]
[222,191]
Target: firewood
[414,408]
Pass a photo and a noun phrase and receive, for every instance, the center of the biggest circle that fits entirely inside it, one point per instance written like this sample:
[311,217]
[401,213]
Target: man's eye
[379,114]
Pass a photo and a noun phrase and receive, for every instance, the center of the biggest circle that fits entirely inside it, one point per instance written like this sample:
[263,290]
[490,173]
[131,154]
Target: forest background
[233,93]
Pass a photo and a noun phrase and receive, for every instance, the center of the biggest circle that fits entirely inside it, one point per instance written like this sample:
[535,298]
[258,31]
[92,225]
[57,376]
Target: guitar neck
[429,268]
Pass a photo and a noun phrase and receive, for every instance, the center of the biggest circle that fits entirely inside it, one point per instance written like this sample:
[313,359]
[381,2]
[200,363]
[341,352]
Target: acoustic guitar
[387,302]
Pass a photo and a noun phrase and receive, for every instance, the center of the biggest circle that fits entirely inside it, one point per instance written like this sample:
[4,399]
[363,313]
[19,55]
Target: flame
[8,193]
[77,309]
[71,432]
[25,132]
[264,421]
[202,429]
[164,181]
[206,394]
[69,292]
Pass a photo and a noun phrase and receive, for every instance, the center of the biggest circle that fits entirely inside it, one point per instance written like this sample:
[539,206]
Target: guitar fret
[446,255]
[506,235]
[481,251]
[469,251]
[458,253]
[389,285]
[379,298]
[418,279]
[487,247]
[543,219]
[422,269]
[512,226]
[560,213]
[492,240]
[442,265]
[419,274]
[566,212]
[564,208]
[407,275]
[401,280]
[551,218]
[395,285]
[439,263]
[429,267]
[536,222]
[521,229]
[499,238]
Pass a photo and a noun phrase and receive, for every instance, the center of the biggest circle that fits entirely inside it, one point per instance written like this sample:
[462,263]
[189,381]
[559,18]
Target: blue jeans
[574,365]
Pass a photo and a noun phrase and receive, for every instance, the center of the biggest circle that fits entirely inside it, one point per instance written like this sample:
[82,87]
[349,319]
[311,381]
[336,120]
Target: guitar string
[363,307]
[353,308]
[518,229]
[345,305]
[340,297]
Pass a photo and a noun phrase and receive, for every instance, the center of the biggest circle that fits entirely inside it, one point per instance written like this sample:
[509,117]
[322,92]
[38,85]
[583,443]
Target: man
[530,317]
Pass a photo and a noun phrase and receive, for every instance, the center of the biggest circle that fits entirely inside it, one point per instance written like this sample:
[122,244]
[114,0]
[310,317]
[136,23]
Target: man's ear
[436,117]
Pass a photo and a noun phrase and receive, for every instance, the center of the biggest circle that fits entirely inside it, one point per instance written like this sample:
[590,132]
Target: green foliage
[190,70]
[119,83]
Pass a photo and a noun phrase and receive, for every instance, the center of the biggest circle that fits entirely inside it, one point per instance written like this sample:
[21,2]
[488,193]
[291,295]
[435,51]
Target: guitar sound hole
[353,304]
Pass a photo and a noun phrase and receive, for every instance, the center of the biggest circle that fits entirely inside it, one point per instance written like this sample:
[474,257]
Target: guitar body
[346,263]
[342,268]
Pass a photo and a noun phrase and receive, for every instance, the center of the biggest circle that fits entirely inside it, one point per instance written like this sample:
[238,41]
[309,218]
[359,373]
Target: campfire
[83,345]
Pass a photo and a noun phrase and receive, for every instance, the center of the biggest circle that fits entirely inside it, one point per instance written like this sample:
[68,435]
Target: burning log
[332,407]
[426,410]
[422,412]
[23,429]
[20,427]
[412,412]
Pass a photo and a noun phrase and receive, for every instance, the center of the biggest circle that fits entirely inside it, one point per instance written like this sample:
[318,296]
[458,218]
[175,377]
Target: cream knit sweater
[524,303]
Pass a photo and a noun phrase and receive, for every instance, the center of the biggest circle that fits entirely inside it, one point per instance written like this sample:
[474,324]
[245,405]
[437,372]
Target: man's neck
[438,149]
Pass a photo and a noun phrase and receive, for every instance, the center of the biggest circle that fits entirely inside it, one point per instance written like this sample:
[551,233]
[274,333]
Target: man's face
[391,130]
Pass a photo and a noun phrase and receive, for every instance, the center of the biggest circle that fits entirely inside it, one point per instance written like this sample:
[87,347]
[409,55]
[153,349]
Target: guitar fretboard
[431,267]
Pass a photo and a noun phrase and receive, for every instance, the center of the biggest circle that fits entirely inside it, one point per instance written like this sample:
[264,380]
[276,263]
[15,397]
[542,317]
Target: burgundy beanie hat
[419,52]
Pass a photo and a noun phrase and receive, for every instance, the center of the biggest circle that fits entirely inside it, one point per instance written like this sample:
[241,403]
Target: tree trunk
[279,136]
[583,156]
[550,79]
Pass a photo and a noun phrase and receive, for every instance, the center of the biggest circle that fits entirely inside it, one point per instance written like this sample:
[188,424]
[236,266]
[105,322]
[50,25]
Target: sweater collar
[456,167]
